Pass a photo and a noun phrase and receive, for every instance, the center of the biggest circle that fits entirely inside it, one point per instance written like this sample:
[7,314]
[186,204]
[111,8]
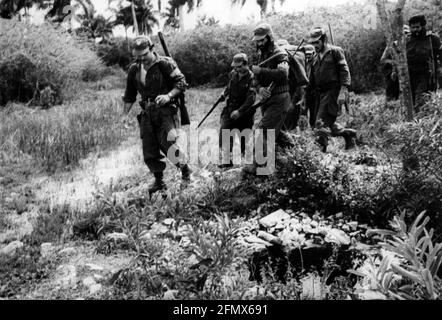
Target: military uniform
[157,122]
[328,75]
[240,97]
[274,110]
[419,55]
[298,80]
[310,106]
[392,82]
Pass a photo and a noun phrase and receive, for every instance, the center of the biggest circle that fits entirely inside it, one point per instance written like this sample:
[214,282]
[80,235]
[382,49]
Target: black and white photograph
[231,152]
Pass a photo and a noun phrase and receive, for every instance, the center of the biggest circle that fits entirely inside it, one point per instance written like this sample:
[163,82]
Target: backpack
[297,73]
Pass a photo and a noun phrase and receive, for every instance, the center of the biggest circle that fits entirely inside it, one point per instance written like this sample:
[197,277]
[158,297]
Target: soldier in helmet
[240,97]
[273,86]
[330,79]
[159,82]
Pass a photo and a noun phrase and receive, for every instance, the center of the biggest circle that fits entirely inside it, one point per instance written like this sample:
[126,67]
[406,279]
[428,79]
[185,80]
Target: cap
[142,45]
[261,31]
[239,59]
[316,34]
[308,48]
[282,42]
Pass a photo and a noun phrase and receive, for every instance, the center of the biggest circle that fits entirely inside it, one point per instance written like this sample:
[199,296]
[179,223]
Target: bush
[204,54]
[37,58]
[115,52]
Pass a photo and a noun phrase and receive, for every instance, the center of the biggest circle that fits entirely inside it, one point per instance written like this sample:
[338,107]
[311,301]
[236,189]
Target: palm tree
[263,4]
[145,19]
[176,11]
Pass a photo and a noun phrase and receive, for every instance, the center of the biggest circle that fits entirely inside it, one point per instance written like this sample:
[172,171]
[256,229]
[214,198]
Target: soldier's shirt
[331,70]
[419,52]
[160,77]
[276,70]
[239,89]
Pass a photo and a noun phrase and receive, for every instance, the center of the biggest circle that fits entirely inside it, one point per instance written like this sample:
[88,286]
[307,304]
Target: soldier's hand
[163,99]
[235,115]
[264,92]
[256,70]
[343,96]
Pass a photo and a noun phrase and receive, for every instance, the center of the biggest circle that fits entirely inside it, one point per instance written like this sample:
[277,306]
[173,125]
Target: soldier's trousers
[420,86]
[392,88]
[274,112]
[156,126]
[245,122]
[327,113]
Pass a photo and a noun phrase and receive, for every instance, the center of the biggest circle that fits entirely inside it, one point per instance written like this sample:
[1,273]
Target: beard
[264,47]
[419,34]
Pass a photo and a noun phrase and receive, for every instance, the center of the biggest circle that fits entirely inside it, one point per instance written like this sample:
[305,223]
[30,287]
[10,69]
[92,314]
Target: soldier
[159,82]
[240,97]
[330,79]
[423,54]
[298,81]
[390,70]
[309,51]
[274,72]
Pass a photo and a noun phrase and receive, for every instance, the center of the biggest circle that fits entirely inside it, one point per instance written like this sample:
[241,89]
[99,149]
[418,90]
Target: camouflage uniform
[156,122]
[328,75]
[240,97]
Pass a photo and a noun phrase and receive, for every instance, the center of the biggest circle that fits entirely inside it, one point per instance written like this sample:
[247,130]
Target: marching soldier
[240,97]
[423,54]
[159,81]
[330,79]
[273,86]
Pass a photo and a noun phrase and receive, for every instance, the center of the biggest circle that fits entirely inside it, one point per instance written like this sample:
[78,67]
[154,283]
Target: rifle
[260,100]
[221,98]
[347,109]
[433,67]
[185,119]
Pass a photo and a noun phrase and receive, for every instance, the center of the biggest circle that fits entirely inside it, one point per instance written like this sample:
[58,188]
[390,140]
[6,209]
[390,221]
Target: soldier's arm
[177,78]
[281,72]
[342,66]
[130,94]
[386,56]
[248,102]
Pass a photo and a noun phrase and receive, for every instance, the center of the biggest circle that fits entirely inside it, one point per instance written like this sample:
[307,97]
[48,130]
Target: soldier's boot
[158,184]
[349,137]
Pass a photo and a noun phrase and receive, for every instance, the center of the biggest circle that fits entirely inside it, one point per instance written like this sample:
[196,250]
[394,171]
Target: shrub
[115,52]
[35,58]
[205,54]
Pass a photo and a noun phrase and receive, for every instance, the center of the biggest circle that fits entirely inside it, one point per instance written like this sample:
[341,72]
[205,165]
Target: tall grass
[35,57]
[63,135]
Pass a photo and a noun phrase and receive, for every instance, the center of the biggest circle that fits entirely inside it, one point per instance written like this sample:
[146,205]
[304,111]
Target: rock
[116,236]
[89,281]
[269,238]
[170,295]
[274,218]
[94,289]
[67,251]
[353,225]
[160,229]
[94,267]
[46,249]
[255,240]
[67,276]
[11,248]
[169,222]
[337,236]
[145,236]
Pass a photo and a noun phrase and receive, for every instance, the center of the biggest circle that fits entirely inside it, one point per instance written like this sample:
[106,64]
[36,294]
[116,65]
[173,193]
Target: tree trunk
[181,17]
[396,40]
[134,17]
